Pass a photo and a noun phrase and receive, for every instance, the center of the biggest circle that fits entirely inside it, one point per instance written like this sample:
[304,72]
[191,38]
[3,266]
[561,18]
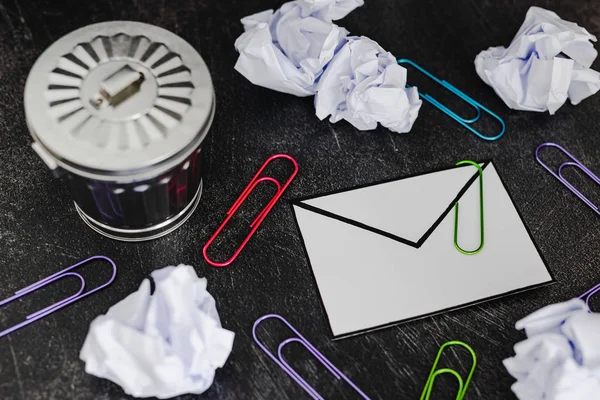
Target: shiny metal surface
[120,109]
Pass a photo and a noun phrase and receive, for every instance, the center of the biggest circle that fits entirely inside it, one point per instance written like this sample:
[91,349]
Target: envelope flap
[404,208]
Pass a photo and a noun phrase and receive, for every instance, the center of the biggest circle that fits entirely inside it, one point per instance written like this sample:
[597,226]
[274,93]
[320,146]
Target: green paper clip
[477,250]
[462,385]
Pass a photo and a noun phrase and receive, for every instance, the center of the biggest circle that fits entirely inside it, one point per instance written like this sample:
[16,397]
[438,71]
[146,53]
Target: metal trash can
[120,110]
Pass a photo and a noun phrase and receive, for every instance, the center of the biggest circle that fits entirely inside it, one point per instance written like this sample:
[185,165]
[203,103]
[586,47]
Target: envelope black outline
[418,243]
[298,202]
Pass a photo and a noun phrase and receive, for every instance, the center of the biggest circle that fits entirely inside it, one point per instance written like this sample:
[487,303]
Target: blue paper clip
[463,121]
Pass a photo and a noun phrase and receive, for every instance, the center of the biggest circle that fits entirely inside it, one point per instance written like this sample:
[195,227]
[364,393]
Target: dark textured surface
[40,231]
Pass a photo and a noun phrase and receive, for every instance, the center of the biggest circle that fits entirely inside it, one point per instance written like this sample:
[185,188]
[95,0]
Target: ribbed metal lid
[119,98]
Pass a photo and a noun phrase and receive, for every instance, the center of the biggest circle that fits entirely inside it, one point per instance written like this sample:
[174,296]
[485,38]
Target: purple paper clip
[587,295]
[574,163]
[63,303]
[279,360]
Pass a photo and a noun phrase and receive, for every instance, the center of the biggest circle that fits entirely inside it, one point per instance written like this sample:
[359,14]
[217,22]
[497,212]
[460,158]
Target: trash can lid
[119,98]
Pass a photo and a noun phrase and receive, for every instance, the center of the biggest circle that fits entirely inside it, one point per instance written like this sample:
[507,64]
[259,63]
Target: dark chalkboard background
[40,232]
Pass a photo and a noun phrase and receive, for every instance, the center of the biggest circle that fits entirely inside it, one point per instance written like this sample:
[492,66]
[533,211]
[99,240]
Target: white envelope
[384,253]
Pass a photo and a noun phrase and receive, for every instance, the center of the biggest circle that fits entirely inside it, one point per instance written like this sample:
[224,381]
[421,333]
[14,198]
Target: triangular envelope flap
[406,208]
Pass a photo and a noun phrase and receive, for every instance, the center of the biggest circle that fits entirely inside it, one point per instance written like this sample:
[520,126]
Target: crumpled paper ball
[162,344]
[329,9]
[364,85]
[547,62]
[560,360]
[288,49]
[551,318]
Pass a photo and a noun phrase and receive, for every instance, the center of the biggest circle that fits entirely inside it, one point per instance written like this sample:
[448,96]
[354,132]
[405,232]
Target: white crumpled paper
[163,345]
[288,49]
[331,10]
[551,318]
[560,360]
[547,62]
[364,85]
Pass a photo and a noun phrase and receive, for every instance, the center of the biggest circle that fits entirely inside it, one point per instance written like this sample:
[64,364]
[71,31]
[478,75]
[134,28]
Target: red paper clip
[261,216]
